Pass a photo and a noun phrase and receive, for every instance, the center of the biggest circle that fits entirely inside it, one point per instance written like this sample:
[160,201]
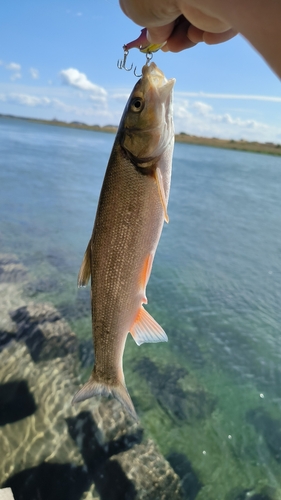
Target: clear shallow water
[212,393]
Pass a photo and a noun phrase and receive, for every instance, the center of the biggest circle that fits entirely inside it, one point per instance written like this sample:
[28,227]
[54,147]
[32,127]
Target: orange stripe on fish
[145,274]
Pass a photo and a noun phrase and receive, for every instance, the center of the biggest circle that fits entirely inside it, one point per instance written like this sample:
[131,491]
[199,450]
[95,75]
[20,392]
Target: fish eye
[137,104]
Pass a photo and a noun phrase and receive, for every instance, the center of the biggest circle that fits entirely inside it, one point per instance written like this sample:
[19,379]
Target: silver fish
[129,220]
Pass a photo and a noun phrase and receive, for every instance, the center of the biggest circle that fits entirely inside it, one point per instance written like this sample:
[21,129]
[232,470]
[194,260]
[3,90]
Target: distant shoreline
[251,147]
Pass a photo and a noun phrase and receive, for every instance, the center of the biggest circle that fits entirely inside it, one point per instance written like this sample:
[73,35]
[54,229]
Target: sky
[58,60]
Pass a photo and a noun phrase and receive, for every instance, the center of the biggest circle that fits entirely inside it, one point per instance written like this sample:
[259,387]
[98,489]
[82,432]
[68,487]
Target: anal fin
[85,269]
[146,329]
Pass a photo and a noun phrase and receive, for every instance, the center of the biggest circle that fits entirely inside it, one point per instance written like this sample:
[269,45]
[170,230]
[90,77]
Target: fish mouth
[158,80]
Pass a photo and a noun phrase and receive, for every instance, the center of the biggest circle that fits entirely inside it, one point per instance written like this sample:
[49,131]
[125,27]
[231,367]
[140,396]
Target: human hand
[178,22]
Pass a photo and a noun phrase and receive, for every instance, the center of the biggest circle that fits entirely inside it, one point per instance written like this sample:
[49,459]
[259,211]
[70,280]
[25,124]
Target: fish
[131,211]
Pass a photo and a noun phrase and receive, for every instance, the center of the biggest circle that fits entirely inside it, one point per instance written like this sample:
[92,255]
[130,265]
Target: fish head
[147,124]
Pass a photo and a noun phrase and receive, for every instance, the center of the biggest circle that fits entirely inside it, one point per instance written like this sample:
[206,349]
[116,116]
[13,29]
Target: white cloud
[25,99]
[13,66]
[230,96]
[15,76]
[201,119]
[79,80]
[120,96]
[202,107]
[69,111]
[34,73]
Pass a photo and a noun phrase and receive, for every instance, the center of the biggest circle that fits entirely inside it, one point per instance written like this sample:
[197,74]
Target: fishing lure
[144,46]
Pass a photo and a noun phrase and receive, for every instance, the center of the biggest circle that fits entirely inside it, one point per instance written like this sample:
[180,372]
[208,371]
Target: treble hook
[149,56]
[122,64]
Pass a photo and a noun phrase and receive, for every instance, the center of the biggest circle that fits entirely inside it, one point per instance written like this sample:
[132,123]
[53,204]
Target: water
[212,394]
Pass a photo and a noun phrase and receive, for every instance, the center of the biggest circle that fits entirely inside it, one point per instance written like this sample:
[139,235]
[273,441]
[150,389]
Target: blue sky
[58,60]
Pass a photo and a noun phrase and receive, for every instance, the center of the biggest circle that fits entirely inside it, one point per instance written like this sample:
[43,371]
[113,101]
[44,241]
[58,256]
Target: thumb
[160,34]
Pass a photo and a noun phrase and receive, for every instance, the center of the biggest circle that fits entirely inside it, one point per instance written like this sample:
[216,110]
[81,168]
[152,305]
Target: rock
[13,273]
[43,435]
[46,334]
[11,270]
[80,307]
[269,428]
[10,297]
[190,483]
[151,475]
[35,313]
[86,353]
[58,451]
[41,285]
[182,404]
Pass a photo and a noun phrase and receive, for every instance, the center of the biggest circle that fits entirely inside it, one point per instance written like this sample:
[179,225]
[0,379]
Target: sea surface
[212,394]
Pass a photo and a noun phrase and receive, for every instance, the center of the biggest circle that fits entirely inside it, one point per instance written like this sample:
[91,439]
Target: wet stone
[269,428]
[80,308]
[35,313]
[12,273]
[180,404]
[46,334]
[51,340]
[46,285]
[110,480]
[86,353]
[8,258]
[151,475]
[6,338]
[190,483]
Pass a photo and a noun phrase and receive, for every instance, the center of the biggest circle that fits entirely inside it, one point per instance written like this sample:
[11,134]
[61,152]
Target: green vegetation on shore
[242,145]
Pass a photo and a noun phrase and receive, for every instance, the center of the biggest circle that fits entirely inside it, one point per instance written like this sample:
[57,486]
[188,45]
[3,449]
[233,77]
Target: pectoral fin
[159,181]
[85,269]
[145,274]
[146,329]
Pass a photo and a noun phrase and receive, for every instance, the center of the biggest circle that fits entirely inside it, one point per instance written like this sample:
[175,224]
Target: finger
[160,34]
[194,34]
[214,38]
[178,40]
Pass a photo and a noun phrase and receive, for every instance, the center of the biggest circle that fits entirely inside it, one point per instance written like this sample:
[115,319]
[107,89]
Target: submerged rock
[53,445]
[50,449]
[269,428]
[11,270]
[151,475]
[42,285]
[86,353]
[190,483]
[10,297]
[80,308]
[43,434]
[181,404]
[46,334]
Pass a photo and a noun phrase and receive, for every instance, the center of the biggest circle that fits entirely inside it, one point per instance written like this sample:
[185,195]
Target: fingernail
[148,36]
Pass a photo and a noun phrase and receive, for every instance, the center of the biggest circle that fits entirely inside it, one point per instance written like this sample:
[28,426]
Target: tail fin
[94,388]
